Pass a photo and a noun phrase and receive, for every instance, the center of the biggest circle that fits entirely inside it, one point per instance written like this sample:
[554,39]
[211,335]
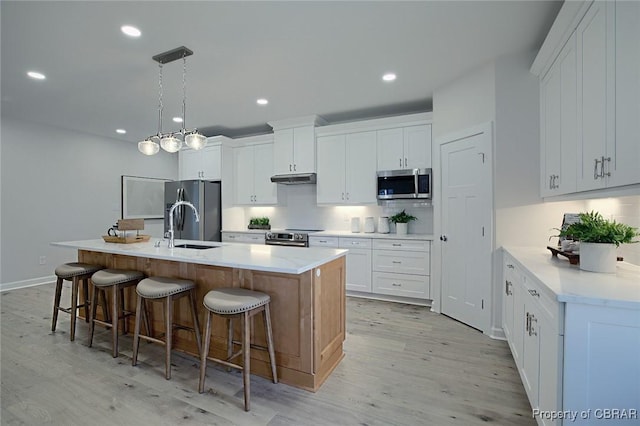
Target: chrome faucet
[173,207]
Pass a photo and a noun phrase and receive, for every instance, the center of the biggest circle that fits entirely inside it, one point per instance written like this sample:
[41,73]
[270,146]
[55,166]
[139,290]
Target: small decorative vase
[401,228]
[598,257]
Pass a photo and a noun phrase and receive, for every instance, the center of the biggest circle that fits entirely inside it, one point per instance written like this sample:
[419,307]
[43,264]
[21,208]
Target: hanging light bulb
[170,143]
[195,140]
[148,147]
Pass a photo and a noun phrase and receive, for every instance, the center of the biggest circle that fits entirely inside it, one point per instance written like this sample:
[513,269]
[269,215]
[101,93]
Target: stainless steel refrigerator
[206,197]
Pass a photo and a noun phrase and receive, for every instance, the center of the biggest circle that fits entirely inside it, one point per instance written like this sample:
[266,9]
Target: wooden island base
[307,313]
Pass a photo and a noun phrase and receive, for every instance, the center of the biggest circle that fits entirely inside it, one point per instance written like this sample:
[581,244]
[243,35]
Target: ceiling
[308,57]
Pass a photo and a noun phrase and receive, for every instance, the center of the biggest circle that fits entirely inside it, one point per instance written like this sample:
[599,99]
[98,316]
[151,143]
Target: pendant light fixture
[172,141]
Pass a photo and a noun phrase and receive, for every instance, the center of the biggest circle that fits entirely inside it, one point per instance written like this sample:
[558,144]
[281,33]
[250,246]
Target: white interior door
[467,228]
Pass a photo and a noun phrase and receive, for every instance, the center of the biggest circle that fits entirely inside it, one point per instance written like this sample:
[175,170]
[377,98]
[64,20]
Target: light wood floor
[403,366]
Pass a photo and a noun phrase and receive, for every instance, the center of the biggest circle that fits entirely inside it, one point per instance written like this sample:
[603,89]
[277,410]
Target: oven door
[286,243]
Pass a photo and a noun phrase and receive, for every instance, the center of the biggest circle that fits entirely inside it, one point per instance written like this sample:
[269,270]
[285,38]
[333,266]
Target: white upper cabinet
[607,66]
[626,168]
[347,169]
[404,148]
[558,127]
[294,150]
[595,94]
[202,164]
[253,166]
[295,144]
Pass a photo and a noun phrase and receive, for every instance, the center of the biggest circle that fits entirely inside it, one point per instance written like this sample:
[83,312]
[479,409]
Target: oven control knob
[268,235]
[297,236]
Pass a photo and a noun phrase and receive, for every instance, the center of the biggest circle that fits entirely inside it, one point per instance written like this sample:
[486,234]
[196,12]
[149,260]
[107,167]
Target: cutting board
[126,240]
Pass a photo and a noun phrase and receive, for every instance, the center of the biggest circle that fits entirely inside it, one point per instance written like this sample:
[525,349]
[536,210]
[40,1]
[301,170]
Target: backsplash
[297,208]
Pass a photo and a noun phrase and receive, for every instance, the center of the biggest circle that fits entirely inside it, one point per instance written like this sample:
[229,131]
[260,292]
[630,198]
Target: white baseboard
[497,333]
[27,283]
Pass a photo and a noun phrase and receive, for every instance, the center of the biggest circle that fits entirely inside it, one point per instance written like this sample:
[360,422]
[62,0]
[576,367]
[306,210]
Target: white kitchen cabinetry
[358,263]
[596,85]
[358,259]
[294,150]
[533,326]
[404,148]
[243,237]
[558,126]
[253,167]
[201,164]
[401,268]
[347,169]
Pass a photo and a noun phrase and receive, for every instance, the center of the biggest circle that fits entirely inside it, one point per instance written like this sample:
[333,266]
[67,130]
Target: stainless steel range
[289,237]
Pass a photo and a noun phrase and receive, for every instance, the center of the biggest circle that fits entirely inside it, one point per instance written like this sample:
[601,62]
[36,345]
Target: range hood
[295,179]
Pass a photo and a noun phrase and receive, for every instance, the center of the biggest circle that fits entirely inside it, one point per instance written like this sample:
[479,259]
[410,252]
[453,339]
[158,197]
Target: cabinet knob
[443,238]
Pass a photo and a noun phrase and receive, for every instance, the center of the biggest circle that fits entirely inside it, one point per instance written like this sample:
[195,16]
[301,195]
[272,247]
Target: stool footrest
[68,310]
[225,363]
[151,339]
[253,346]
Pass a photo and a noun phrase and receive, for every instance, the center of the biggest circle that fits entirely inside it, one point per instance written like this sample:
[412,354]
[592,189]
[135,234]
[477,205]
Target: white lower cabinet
[401,268]
[533,326]
[358,259]
[243,237]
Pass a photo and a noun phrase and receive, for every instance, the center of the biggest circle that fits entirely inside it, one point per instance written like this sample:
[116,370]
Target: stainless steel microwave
[404,184]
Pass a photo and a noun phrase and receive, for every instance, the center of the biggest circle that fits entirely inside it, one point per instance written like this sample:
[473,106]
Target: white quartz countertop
[371,235]
[288,260]
[572,285]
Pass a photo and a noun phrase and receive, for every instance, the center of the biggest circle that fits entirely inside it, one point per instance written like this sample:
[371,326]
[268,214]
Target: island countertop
[287,260]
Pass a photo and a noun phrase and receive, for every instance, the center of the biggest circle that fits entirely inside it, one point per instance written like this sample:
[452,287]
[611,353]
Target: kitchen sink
[194,246]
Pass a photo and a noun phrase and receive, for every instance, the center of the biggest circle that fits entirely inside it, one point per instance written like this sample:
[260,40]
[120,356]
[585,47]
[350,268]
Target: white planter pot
[597,257]
[401,228]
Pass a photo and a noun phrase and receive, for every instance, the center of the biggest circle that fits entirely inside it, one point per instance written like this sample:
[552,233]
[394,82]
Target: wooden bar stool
[167,290]
[241,303]
[74,272]
[116,280]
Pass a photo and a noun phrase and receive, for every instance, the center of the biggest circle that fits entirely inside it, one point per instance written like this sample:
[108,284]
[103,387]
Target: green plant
[260,221]
[402,217]
[593,228]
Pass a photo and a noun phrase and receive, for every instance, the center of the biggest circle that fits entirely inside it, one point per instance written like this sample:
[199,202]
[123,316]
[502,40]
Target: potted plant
[599,239]
[259,223]
[402,220]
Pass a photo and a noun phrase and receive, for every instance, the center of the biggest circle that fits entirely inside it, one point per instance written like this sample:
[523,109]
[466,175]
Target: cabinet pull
[396,285]
[396,245]
[322,241]
[294,168]
[532,319]
[400,162]
[550,181]
[608,160]
[347,195]
[534,293]
[510,266]
[405,161]
[506,287]
[595,169]
[396,261]
[527,325]
[343,195]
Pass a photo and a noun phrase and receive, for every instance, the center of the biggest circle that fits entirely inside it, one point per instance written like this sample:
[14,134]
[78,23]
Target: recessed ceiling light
[121,131]
[130,31]
[36,75]
[389,76]
[262,101]
[177,119]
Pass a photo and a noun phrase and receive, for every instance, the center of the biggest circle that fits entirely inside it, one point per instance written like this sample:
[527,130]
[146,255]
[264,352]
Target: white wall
[58,185]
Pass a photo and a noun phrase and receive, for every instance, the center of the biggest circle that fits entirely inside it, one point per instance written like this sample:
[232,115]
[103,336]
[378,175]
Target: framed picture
[142,197]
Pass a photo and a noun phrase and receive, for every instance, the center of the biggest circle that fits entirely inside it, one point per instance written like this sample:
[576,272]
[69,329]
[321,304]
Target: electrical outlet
[43,260]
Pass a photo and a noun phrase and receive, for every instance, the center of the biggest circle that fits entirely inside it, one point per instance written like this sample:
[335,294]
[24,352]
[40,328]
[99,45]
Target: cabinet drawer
[533,294]
[324,242]
[346,242]
[417,245]
[253,238]
[232,237]
[406,262]
[401,285]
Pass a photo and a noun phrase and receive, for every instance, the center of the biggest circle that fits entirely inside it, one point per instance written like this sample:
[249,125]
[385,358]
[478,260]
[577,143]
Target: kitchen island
[307,289]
